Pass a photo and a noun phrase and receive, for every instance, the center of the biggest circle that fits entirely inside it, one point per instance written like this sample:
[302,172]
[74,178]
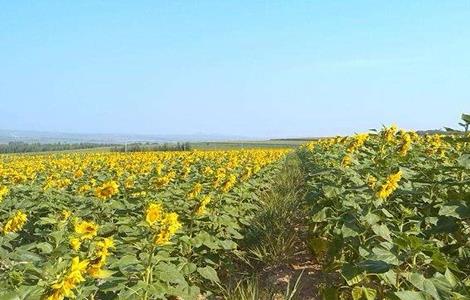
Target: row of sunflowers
[149,225]
[391,213]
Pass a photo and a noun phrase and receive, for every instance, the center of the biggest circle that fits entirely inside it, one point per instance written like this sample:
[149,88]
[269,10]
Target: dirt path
[279,264]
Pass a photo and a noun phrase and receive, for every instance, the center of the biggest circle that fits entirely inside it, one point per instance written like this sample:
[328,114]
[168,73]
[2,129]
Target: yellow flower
[371,181]
[53,182]
[86,230]
[358,142]
[63,288]
[77,269]
[154,213]
[3,192]
[388,134]
[171,221]
[219,177]
[65,214]
[346,160]
[390,185]
[75,243]
[107,190]
[106,243]
[207,171]
[170,225]
[15,223]
[138,194]
[435,144]
[95,268]
[201,209]
[83,189]
[186,171]
[196,190]
[79,173]
[162,181]
[98,273]
[246,174]
[130,182]
[405,144]
[229,183]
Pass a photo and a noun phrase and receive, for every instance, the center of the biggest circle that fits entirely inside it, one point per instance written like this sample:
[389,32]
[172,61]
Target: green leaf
[184,292]
[331,191]
[47,221]
[353,275]
[349,230]
[363,293]
[449,129]
[382,231]
[113,204]
[416,279]
[430,289]
[371,219]
[356,293]
[374,266]
[228,244]
[189,268]
[113,284]
[466,118]
[168,272]
[204,238]
[441,263]
[442,285]
[370,294]
[409,295]
[320,216]
[57,236]
[389,277]
[235,233]
[208,273]
[318,246]
[458,210]
[134,292]
[28,256]
[124,261]
[45,248]
[381,253]
[453,281]
[386,213]
[329,293]
[464,161]
[22,293]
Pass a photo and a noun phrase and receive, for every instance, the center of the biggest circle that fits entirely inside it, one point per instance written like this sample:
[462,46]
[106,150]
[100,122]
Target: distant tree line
[22,147]
[140,147]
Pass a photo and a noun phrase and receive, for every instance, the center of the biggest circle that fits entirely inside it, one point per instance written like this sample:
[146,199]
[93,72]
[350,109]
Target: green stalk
[149,270]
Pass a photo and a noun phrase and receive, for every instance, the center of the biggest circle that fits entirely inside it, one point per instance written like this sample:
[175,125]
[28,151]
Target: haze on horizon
[254,69]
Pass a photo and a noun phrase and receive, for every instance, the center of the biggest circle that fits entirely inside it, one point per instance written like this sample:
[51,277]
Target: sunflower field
[387,213]
[150,225]
[390,211]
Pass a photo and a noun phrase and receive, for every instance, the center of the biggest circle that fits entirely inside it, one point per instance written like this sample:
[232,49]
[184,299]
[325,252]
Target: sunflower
[86,230]
[154,213]
[107,190]
[15,223]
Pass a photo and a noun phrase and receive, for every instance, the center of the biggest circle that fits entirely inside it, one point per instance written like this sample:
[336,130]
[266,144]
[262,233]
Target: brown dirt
[310,283]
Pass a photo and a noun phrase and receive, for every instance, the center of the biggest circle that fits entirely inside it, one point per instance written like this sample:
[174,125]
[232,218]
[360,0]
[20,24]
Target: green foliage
[188,267]
[21,147]
[466,122]
[412,245]
[140,147]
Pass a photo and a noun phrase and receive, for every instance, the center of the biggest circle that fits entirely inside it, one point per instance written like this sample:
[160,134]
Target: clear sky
[250,68]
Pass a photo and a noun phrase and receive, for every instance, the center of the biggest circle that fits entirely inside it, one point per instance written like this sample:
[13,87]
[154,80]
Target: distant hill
[27,136]
[439,131]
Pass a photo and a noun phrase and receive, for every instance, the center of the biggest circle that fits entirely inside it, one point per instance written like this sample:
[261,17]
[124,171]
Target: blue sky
[249,68]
